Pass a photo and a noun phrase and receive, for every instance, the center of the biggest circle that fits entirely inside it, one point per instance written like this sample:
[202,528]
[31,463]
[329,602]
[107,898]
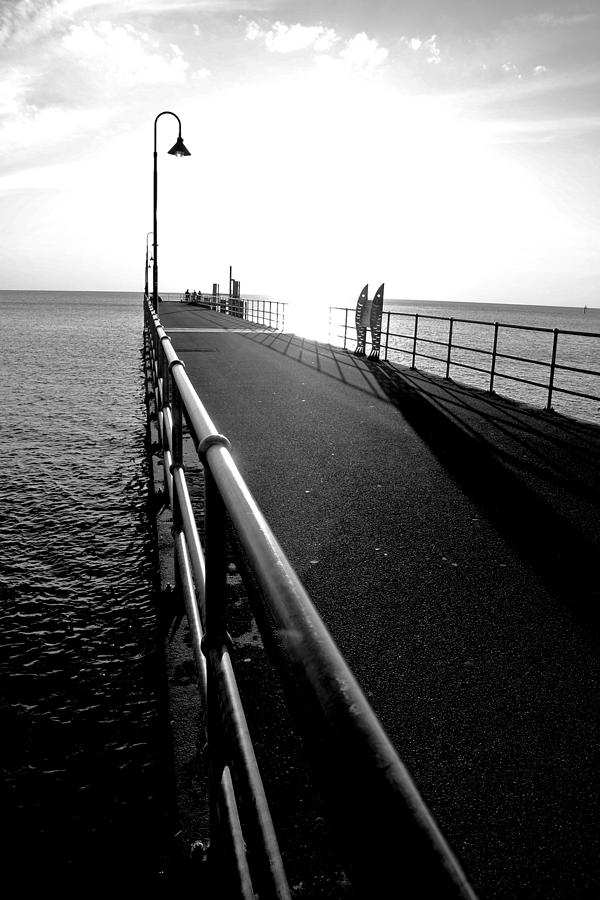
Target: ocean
[80,704]
[81,707]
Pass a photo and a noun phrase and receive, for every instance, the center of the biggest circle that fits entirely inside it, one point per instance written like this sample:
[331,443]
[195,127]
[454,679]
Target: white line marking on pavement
[227,330]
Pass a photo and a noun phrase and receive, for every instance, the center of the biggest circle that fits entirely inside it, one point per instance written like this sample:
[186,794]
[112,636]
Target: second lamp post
[178,149]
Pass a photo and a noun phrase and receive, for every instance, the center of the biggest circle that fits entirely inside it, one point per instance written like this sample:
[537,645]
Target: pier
[448,540]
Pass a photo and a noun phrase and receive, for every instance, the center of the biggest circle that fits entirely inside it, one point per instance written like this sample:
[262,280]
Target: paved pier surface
[450,541]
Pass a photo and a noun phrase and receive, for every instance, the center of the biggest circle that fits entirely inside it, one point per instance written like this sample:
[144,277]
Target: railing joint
[175,362]
[216,642]
[211,440]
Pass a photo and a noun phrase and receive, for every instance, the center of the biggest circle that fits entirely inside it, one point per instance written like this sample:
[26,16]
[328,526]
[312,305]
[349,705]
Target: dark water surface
[80,702]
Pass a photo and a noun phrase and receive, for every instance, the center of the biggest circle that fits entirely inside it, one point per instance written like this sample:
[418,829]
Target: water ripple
[78,643]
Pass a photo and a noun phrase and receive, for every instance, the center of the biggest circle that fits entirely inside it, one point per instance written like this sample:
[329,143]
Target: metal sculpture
[368,315]
[375,323]
[363,310]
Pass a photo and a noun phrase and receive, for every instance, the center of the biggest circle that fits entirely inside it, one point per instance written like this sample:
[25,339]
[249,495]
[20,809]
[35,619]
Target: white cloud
[359,52]
[14,87]
[363,52]
[428,46]
[283,38]
[124,56]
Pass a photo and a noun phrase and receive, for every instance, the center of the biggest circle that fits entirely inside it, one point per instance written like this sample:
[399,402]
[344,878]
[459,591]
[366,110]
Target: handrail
[261,310]
[416,341]
[385,828]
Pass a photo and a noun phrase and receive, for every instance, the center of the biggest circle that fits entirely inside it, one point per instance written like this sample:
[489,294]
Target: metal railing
[260,310]
[563,375]
[386,832]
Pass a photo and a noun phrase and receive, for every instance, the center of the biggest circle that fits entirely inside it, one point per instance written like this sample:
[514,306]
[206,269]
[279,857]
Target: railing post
[448,359]
[214,638]
[552,370]
[177,416]
[165,409]
[345,326]
[387,337]
[164,372]
[493,363]
[176,463]
[414,353]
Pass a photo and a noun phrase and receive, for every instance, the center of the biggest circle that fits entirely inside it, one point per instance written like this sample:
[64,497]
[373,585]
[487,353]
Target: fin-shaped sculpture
[376,314]
[362,321]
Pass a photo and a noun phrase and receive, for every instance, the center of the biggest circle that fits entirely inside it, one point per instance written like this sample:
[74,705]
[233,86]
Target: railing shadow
[510,463]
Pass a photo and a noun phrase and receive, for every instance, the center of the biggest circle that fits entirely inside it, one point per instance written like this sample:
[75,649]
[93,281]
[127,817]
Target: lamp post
[146,271]
[178,149]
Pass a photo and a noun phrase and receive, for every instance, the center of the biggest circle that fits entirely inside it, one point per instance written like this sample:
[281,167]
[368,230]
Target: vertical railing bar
[387,337]
[414,353]
[186,585]
[493,362]
[183,582]
[246,773]
[176,412]
[346,326]
[239,878]
[448,359]
[215,636]
[192,539]
[167,424]
[552,370]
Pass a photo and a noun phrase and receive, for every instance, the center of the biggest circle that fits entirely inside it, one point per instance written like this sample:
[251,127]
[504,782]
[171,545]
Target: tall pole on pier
[178,149]
[146,272]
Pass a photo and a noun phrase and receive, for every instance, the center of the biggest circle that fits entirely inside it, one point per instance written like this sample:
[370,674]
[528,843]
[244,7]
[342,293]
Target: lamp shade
[179,148]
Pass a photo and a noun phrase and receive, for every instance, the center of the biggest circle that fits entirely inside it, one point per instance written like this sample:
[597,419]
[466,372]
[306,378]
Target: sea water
[80,707]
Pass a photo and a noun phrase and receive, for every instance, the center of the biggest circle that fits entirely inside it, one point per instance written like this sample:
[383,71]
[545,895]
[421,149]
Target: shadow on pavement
[533,473]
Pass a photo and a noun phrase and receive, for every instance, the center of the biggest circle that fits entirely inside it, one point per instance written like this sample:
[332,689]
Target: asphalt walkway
[450,541]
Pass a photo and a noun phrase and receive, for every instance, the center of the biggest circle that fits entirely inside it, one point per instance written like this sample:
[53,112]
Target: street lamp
[178,149]
[146,272]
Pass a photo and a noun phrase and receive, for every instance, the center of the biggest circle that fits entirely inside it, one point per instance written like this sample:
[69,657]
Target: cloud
[283,38]
[26,21]
[363,52]
[428,47]
[14,86]
[69,87]
[120,55]
[359,51]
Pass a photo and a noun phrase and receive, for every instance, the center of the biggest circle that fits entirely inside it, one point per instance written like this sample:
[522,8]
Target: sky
[449,148]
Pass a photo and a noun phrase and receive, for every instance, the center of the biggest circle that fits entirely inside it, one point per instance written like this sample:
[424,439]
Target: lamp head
[179,148]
